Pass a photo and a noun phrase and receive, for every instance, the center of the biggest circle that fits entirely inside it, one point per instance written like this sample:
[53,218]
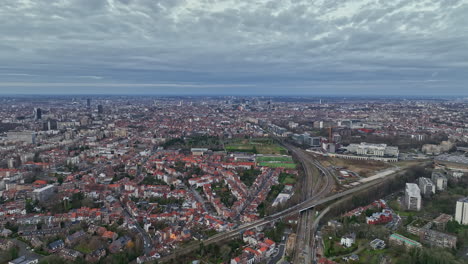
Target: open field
[267,158]
[285,178]
[363,168]
[84,248]
[278,165]
[258,146]
[276,162]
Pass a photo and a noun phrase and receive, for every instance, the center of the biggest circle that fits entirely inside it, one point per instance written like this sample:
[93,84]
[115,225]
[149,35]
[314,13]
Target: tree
[14,252]
[29,206]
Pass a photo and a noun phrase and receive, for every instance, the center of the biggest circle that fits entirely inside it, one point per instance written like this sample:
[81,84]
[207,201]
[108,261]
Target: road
[24,249]
[199,198]
[279,253]
[252,195]
[147,241]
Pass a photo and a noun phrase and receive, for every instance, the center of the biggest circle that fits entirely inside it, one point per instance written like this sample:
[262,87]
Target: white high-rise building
[439,180]
[426,186]
[412,197]
[461,212]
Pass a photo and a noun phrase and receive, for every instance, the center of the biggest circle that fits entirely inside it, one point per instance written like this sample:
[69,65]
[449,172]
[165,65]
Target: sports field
[269,158]
[276,162]
[255,145]
[278,165]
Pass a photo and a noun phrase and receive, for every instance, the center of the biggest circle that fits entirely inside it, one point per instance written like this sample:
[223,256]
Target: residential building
[379,218]
[402,240]
[412,197]
[438,239]
[461,211]
[5,244]
[22,136]
[377,244]
[24,260]
[440,222]
[44,193]
[426,186]
[56,245]
[70,254]
[348,240]
[439,180]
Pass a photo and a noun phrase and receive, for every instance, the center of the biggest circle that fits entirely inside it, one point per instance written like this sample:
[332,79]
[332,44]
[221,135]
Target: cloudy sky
[312,47]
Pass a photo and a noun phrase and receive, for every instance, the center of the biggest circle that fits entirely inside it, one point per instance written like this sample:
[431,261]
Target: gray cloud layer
[341,46]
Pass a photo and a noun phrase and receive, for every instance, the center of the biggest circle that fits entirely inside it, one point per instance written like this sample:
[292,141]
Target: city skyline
[234,47]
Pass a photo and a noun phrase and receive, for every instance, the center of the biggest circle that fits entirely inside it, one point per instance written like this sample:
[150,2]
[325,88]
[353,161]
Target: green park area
[255,146]
[276,162]
[285,178]
[275,158]
[278,165]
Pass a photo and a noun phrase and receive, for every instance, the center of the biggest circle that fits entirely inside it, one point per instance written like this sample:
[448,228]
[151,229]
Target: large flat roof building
[402,240]
[368,149]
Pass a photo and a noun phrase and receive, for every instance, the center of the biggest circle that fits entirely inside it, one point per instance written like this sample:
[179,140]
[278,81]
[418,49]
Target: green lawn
[258,146]
[83,248]
[333,248]
[278,165]
[279,158]
[285,178]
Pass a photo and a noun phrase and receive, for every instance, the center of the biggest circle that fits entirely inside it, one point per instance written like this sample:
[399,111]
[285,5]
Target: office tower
[100,109]
[37,113]
[88,102]
[50,125]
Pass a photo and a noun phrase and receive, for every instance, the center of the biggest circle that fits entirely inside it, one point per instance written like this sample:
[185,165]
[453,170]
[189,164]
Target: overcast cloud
[235,46]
